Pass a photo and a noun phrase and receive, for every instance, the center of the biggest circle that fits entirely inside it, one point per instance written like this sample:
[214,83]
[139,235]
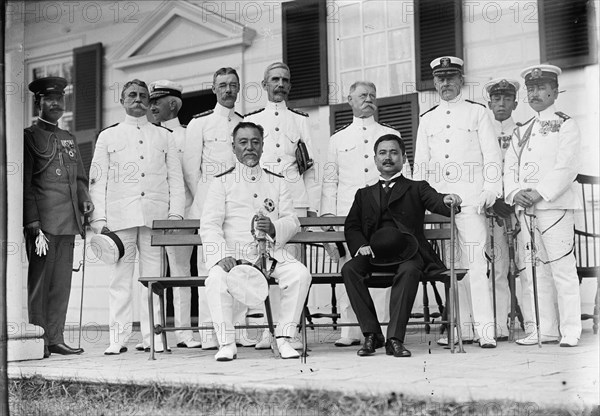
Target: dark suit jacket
[408,202]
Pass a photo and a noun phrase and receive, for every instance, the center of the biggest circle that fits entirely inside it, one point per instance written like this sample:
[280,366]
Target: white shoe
[569,341]
[244,342]
[115,349]
[192,343]
[285,349]
[158,347]
[210,343]
[444,341]
[265,341]
[532,339]
[227,352]
[487,343]
[346,342]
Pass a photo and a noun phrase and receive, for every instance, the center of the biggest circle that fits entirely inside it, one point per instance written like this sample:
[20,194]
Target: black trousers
[49,285]
[356,274]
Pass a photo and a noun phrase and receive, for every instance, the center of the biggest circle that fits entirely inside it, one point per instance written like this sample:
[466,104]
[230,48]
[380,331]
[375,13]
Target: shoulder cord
[528,225]
[42,153]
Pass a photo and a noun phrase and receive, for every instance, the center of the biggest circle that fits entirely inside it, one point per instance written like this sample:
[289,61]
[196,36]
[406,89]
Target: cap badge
[445,62]
[536,73]
[503,84]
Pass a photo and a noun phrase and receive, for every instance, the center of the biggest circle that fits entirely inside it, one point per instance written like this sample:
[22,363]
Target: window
[305,51]
[401,112]
[567,37]
[373,42]
[438,32]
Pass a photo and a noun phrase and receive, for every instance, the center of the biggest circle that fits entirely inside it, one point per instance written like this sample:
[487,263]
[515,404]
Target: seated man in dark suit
[384,232]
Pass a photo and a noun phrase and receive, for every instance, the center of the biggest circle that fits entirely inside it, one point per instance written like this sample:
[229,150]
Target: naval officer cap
[504,86]
[48,85]
[541,74]
[163,88]
[446,65]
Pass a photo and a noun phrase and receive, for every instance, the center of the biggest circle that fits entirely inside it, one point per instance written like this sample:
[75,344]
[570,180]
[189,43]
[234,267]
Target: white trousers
[475,300]
[179,265]
[293,279]
[123,284]
[556,271]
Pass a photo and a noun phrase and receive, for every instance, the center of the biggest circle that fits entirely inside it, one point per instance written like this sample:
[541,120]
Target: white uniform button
[276,128]
[276,113]
[447,140]
[277,145]
[255,196]
[142,156]
[366,169]
[143,193]
[366,156]
[447,156]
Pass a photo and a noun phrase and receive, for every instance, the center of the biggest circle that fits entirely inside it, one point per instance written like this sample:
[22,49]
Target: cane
[86,222]
[454,308]
[512,274]
[532,217]
[491,217]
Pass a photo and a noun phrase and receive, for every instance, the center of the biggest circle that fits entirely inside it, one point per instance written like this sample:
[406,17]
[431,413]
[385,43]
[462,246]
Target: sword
[86,222]
[532,217]
[491,217]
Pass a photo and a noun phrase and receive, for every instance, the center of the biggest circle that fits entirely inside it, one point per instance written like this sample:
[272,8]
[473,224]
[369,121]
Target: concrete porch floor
[536,378]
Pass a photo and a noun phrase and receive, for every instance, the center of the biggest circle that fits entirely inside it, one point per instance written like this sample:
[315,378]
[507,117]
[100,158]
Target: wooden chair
[587,240]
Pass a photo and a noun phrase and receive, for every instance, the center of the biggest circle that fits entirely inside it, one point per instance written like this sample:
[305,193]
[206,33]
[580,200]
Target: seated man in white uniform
[234,198]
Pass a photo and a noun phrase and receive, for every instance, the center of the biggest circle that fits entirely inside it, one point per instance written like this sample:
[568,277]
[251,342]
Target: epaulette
[273,173]
[475,102]
[387,125]
[226,172]
[106,128]
[431,109]
[342,128]
[562,115]
[166,128]
[254,112]
[239,115]
[302,113]
[205,113]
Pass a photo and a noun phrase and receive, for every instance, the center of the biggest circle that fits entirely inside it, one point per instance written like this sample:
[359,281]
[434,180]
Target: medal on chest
[549,126]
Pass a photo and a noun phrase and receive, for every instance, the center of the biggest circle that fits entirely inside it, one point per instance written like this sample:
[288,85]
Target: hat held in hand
[391,246]
[247,284]
[107,247]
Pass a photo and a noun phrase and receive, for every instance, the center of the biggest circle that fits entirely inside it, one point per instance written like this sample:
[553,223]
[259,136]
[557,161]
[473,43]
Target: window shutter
[400,112]
[567,38]
[438,32]
[87,98]
[305,51]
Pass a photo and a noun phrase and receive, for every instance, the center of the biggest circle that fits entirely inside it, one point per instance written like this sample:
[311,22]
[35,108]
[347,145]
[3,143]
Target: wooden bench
[311,236]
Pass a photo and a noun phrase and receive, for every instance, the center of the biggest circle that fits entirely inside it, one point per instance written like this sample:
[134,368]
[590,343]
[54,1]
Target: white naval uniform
[351,166]
[457,152]
[208,152]
[236,197]
[547,161]
[283,128]
[135,178]
[179,257]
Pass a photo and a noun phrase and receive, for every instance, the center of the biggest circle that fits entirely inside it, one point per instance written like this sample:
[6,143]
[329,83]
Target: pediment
[178,28]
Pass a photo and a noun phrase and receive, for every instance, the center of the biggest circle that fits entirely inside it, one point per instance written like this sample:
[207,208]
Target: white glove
[486,200]
[41,244]
[98,225]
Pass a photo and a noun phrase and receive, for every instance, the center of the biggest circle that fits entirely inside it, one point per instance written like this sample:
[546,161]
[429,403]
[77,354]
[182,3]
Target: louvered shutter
[305,51]
[400,112]
[566,35]
[87,98]
[438,32]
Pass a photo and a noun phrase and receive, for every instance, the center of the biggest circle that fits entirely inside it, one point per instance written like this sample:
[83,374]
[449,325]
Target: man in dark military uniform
[55,197]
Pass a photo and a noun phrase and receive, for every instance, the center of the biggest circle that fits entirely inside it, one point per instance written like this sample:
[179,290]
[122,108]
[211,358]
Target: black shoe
[502,338]
[372,342]
[396,348]
[46,352]
[64,349]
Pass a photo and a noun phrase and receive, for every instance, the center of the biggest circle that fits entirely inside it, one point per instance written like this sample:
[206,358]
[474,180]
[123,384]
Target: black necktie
[386,186]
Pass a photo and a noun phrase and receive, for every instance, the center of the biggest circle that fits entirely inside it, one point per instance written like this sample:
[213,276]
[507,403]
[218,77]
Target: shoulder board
[431,109]
[106,128]
[205,113]
[239,115]
[163,127]
[184,126]
[302,113]
[273,173]
[254,112]
[226,172]
[387,125]
[562,115]
[475,102]
[342,128]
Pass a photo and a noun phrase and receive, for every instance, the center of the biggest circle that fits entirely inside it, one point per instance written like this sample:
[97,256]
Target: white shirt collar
[397,175]
[136,121]
[223,111]
[368,121]
[276,106]
[171,124]
[547,114]
[247,171]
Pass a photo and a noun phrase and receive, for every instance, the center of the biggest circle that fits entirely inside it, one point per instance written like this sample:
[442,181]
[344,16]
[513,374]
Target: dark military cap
[446,65]
[540,74]
[48,85]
